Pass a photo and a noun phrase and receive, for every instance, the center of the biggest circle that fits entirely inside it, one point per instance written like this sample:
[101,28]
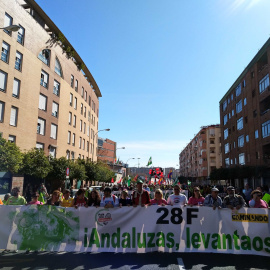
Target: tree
[77,170]
[36,164]
[10,156]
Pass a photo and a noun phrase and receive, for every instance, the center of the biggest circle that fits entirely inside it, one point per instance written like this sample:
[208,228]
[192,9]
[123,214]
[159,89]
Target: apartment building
[245,117]
[48,97]
[106,150]
[202,154]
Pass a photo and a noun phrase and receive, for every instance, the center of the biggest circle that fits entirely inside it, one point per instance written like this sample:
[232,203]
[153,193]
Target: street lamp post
[12,28]
[138,162]
[115,154]
[93,150]
[127,163]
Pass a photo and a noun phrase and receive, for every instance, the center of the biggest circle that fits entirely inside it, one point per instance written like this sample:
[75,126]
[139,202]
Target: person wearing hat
[124,199]
[233,200]
[140,196]
[35,200]
[256,201]
[16,199]
[213,200]
[67,200]
[109,200]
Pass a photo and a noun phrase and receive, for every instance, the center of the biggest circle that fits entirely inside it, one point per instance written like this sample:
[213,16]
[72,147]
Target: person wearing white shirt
[108,200]
[177,198]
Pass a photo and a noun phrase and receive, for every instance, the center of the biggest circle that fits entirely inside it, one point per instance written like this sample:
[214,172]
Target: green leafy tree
[36,164]
[77,170]
[10,156]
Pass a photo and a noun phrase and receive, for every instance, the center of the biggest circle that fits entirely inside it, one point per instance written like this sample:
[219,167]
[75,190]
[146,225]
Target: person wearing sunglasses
[177,198]
[256,201]
[196,198]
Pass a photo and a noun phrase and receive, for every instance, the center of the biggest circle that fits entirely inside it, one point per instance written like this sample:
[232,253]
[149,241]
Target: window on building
[232,112]
[76,85]
[44,78]
[245,101]
[68,154]
[56,88]
[225,119]
[70,99]
[57,68]
[82,94]
[72,155]
[52,152]
[227,148]
[75,103]
[69,137]
[247,138]
[16,88]
[81,108]
[55,108]
[72,81]
[266,129]
[5,52]
[2,111]
[238,90]
[83,144]
[84,127]
[87,146]
[240,123]
[13,116]
[241,141]
[80,125]
[84,111]
[20,37]
[226,134]
[254,113]
[229,100]
[7,22]
[69,118]
[53,131]
[229,115]
[89,116]
[227,162]
[74,120]
[18,61]
[242,159]
[231,96]
[88,131]
[231,161]
[12,138]
[244,83]
[264,83]
[42,102]
[239,106]
[246,119]
[89,101]
[73,139]
[85,96]
[44,56]
[41,126]
[80,142]
[256,134]
[224,105]
[3,81]
[40,145]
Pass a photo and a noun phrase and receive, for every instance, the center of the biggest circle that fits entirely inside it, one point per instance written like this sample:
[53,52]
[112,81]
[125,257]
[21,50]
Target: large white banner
[135,229]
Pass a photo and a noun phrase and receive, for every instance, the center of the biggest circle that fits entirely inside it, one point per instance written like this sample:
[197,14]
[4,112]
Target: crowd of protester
[139,195]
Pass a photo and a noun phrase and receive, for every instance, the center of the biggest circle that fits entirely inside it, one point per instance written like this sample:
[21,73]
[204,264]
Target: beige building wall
[35,40]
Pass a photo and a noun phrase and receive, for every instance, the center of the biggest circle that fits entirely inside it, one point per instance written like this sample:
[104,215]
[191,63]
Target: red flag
[112,181]
[119,182]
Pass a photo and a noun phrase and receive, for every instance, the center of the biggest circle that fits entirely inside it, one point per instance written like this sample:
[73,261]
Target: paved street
[81,261]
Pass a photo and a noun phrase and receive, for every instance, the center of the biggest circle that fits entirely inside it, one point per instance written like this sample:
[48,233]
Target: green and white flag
[149,161]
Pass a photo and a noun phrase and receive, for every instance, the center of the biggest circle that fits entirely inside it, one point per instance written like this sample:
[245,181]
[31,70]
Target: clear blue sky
[162,66]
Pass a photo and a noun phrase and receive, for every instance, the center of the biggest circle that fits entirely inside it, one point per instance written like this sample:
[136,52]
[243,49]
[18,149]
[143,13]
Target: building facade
[202,154]
[48,97]
[106,150]
[245,117]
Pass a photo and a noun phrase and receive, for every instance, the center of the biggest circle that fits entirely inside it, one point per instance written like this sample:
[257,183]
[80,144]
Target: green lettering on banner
[116,236]
[254,244]
[235,240]
[188,238]
[205,243]
[246,243]
[85,240]
[126,240]
[161,239]
[195,240]
[133,237]
[150,243]
[94,240]
[170,239]
[143,244]
[107,237]
[216,244]
[224,240]
[267,243]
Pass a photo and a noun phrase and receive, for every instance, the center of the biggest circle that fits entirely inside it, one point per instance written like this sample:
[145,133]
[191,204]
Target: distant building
[245,118]
[106,150]
[202,154]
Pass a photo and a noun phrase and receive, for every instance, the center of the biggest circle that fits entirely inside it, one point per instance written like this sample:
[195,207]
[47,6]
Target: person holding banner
[94,198]
[125,200]
[177,198]
[16,199]
[213,200]
[196,198]
[108,200]
[140,197]
[158,199]
[256,201]
[233,200]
